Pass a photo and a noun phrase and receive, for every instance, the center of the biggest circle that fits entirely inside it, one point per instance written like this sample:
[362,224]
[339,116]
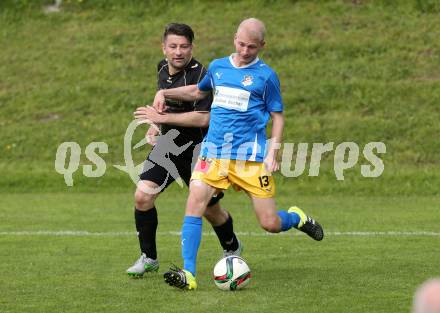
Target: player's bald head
[427,299]
[252,27]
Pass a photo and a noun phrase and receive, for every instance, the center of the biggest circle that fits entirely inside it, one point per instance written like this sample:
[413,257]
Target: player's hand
[148,115]
[152,134]
[141,117]
[159,102]
[271,164]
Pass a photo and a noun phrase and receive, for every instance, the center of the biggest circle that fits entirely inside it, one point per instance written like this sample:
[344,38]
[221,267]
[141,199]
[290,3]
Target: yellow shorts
[247,175]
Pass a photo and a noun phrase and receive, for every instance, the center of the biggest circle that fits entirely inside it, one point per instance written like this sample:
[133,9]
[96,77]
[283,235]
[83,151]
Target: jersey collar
[244,66]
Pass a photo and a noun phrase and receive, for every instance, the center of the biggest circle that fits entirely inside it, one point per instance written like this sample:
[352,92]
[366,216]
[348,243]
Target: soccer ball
[231,273]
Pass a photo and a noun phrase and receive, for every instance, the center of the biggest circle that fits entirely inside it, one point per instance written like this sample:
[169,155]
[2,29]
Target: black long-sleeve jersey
[190,75]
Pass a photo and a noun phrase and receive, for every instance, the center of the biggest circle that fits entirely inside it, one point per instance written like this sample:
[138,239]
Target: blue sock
[191,237]
[288,220]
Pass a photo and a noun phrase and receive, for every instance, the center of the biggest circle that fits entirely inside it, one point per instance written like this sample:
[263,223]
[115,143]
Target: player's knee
[198,196]
[271,225]
[143,201]
[196,204]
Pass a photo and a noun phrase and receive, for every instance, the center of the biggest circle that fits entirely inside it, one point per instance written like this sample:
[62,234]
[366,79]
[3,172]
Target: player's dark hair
[179,30]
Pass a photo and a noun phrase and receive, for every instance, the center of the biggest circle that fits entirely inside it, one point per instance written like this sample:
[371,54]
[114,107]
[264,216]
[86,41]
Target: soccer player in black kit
[190,121]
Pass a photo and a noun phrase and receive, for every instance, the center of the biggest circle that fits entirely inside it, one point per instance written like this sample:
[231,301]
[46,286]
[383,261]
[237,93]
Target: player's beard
[178,66]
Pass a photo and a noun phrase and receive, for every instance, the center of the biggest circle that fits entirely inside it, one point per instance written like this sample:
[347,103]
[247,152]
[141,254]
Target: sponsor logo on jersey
[231,98]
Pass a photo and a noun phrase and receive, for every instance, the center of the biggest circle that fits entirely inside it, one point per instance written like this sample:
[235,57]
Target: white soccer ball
[231,273]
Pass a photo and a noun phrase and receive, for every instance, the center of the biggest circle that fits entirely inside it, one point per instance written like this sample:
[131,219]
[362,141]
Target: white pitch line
[84,233]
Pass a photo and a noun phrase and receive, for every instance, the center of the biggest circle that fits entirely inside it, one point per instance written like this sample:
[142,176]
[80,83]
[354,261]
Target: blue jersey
[243,99]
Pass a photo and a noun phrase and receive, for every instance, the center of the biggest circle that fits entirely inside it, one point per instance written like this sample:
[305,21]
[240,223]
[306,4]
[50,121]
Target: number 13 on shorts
[264,181]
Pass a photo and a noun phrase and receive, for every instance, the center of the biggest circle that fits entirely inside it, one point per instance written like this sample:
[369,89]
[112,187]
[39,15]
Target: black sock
[146,225]
[226,235]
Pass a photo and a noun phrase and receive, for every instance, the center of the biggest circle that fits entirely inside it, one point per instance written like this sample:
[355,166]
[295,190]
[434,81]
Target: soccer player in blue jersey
[234,151]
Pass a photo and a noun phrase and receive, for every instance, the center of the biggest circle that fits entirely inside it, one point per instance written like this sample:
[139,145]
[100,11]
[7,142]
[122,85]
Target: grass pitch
[68,253]
[356,71]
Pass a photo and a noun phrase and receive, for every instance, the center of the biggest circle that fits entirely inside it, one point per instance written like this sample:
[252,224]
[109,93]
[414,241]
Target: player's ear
[163,48]
[262,43]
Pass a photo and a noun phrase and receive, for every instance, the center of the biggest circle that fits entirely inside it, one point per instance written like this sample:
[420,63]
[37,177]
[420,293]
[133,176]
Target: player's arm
[275,141]
[185,93]
[274,104]
[187,119]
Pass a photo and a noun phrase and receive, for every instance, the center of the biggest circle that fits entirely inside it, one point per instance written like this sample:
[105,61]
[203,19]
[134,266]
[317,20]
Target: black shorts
[160,175]
[184,164]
